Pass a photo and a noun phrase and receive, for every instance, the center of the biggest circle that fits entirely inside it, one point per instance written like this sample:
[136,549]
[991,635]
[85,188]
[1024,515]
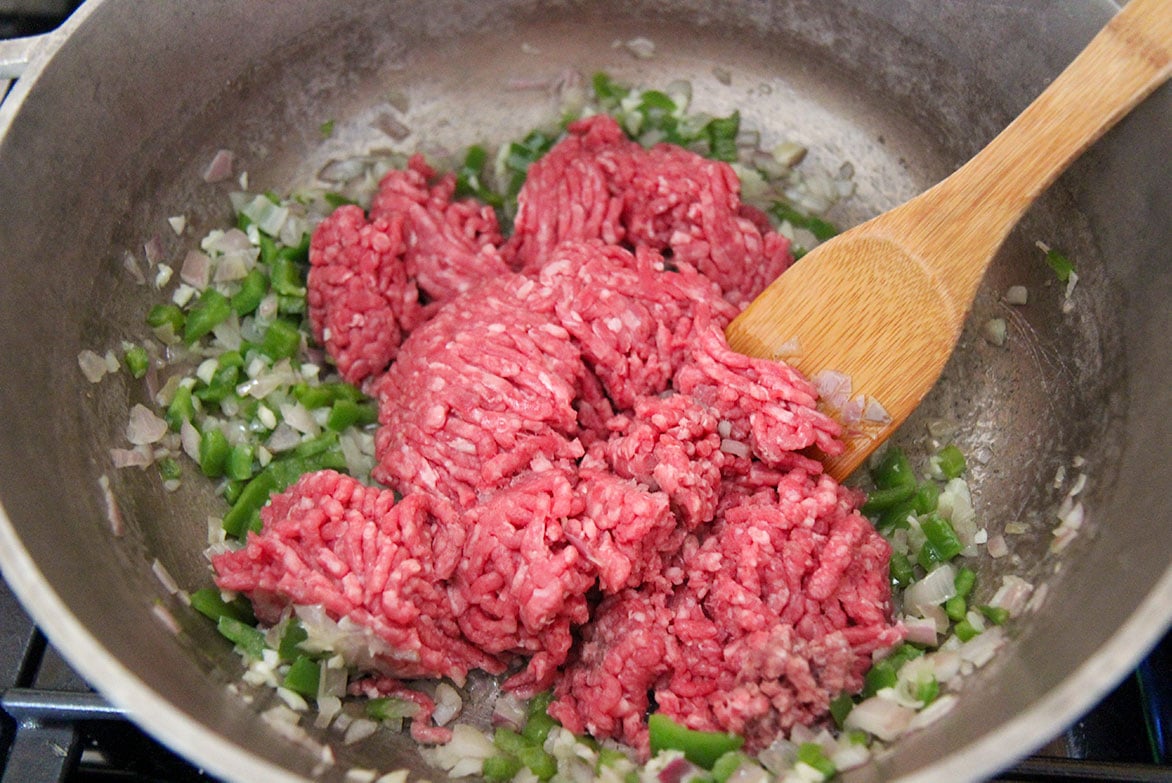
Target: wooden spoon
[884,302]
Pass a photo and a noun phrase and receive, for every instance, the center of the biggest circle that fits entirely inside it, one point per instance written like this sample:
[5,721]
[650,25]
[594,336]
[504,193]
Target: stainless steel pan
[107,131]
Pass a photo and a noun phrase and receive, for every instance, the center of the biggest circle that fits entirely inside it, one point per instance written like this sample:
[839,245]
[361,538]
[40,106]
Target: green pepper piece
[883,499]
[244,636]
[500,768]
[722,137]
[295,633]
[901,571]
[821,229]
[213,452]
[699,747]
[841,706]
[253,288]
[965,579]
[299,253]
[965,630]
[166,314]
[238,465]
[893,469]
[811,754]
[538,726]
[940,534]
[211,310]
[282,340]
[729,763]
[346,413]
[170,469]
[286,276]
[926,499]
[998,615]
[303,677]
[956,608]
[951,461]
[181,409]
[209,602]
[137,360]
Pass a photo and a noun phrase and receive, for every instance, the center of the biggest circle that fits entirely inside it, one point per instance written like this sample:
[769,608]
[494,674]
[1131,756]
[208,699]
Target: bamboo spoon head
[863,306]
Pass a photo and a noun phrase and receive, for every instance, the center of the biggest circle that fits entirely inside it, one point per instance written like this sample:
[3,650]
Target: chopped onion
[447,704]
[997,546]
[153,250]
[934,589]
[464,754]
[509,711]
[298,417]
[144,426]
[1017,295]
[196,270]
[189,438]
[994,331]
[734,447]
[980,649]
[92,364]
[1013,594]
[833,387]
[130,264]
[358,730]
[138,457]
[933,712]
[220,167]
[920,630]
[178,223]
[641,48]
[292,699]
[879,716]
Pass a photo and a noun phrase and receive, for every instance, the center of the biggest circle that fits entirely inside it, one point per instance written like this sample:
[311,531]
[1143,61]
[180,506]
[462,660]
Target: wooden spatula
[883,303]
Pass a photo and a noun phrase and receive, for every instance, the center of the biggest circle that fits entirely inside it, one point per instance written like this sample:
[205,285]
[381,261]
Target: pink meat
[766,405]
[670,444]
[577,433]
[329,540]
[632,318]
[521,585]
[361,302]
[783,602]
[597,184]
[450,245]
[477,394]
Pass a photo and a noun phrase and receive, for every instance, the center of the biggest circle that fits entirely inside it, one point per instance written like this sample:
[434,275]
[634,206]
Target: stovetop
[54,727]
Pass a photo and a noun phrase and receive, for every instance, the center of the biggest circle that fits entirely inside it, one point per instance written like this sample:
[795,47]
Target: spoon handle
[1125,62]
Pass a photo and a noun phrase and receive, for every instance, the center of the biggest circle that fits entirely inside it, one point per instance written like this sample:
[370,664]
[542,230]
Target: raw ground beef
[580,455]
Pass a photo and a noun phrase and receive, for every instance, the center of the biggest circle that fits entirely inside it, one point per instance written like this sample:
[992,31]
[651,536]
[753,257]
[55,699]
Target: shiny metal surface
[139,97]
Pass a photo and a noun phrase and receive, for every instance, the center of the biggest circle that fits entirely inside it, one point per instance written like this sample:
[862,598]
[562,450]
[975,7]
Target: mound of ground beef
[597,494]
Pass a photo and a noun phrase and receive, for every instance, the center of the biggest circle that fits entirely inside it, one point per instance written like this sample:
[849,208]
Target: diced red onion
[196,270]
[138,457]
[144,426]
[220,167]
[153,250]
[997,546]
[675,770]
